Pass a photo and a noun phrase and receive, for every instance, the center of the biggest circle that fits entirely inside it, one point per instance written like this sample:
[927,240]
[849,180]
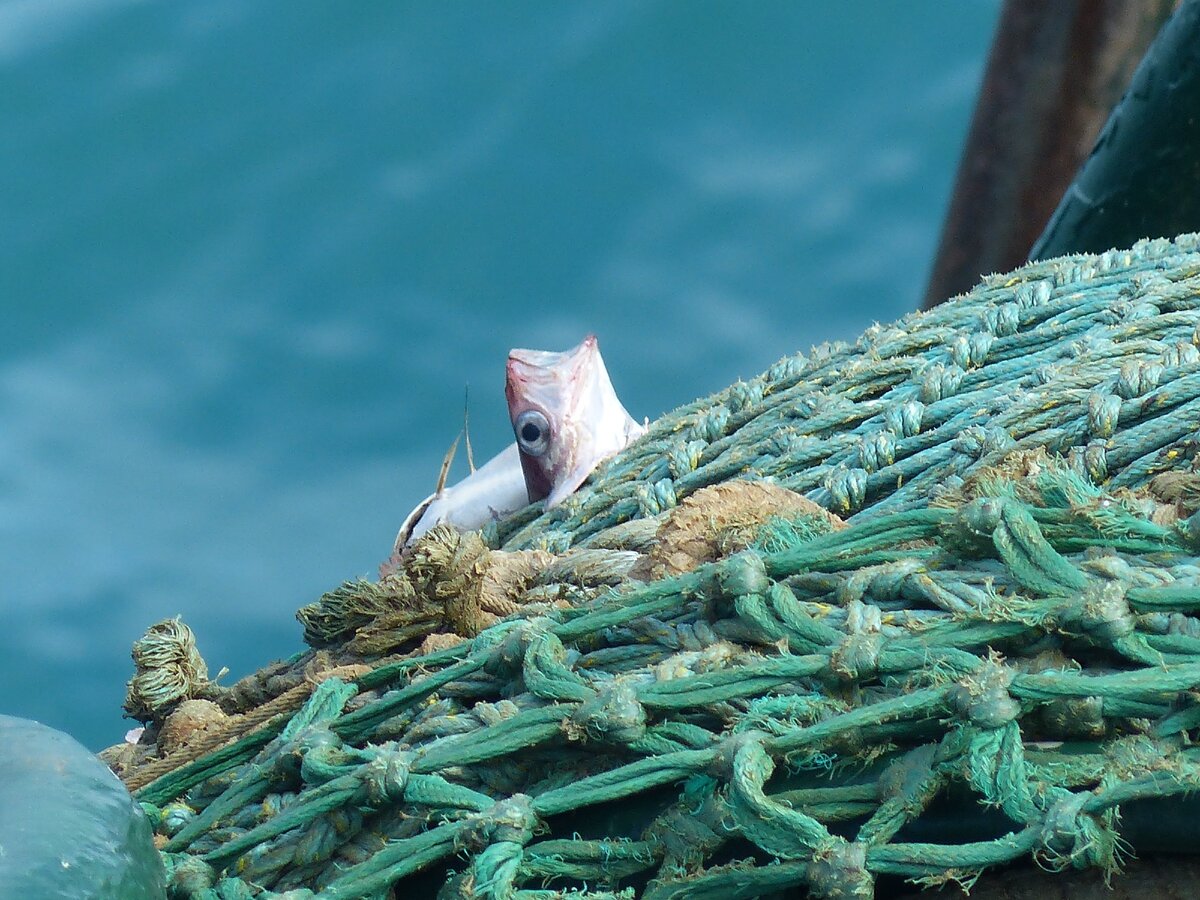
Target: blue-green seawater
[251,254]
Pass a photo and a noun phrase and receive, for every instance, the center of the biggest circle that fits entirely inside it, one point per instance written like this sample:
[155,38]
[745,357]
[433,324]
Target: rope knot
[940,382]
[323,763]
[1075,718]
[689,831]
[1132,310]
[969,351]
[291,752]
[188,876]
[1106,616]
[743,574]
[1145,286]
[511,820]
[882,582]
[857,655]
[654,498]
[877,450]
[1089,347]
[1114,259]
[728,748]
[174,817]
[1003,319]
[904,419]
[508,654]
[324,837]
[975,522]
[1137,377]
[1104,411]
[1181,353]
[839,871]
[982,698]
[547,673]
[1074,838]
[744,394]
[1091,461]
[167,668]
[787,369]
[684,457]
[1032,293]
[976,440]
[448,567]
[385,777]
[613,716]
[711,425]
[847,488]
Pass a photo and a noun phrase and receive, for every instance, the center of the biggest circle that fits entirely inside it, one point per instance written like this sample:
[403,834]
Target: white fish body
[567,420]
[492,491]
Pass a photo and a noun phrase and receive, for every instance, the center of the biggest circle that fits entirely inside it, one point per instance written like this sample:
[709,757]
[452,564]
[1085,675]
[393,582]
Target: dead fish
[566,418]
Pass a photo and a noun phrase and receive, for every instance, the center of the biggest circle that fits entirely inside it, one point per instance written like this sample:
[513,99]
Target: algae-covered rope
[1007,354]
[1003,619]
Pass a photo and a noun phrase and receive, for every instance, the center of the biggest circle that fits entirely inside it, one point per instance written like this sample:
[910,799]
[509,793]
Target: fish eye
[533,432]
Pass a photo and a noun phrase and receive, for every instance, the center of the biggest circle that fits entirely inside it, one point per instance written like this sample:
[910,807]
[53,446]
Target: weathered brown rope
[241,726]
[446,583]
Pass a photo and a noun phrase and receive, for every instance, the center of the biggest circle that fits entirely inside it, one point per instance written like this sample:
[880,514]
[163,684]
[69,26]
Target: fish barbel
[567,419]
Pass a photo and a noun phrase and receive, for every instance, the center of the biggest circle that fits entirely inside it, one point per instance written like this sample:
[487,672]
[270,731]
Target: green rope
[1007,623]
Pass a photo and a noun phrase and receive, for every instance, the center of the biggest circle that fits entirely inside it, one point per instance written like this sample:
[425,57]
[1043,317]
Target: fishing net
[904,609]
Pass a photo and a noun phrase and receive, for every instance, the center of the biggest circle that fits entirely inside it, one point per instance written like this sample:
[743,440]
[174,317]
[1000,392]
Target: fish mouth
[535,372]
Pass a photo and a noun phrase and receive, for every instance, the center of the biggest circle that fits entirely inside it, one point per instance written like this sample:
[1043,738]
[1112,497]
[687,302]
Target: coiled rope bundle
[991,657]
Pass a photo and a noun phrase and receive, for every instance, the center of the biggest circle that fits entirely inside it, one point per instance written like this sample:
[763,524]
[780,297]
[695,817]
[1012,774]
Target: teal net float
[912,608]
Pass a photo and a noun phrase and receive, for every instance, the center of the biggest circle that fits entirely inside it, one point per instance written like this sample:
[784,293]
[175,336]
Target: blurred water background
[251,253]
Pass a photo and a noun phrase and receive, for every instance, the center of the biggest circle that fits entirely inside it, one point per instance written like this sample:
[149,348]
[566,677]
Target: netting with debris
[914,607]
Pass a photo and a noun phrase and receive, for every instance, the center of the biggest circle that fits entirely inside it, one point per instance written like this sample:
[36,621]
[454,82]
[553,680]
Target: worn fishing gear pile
[907,609]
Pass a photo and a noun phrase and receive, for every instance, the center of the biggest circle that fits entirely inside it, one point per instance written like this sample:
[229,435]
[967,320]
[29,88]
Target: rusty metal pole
[1055,71]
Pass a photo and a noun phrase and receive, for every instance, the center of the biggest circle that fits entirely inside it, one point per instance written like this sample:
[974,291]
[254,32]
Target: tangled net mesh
[915,607]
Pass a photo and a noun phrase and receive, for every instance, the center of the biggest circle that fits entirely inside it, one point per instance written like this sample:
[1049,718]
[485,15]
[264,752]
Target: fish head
[566,417]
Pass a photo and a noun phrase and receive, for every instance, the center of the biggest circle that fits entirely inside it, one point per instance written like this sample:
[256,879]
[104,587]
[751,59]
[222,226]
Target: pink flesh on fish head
[566,417]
